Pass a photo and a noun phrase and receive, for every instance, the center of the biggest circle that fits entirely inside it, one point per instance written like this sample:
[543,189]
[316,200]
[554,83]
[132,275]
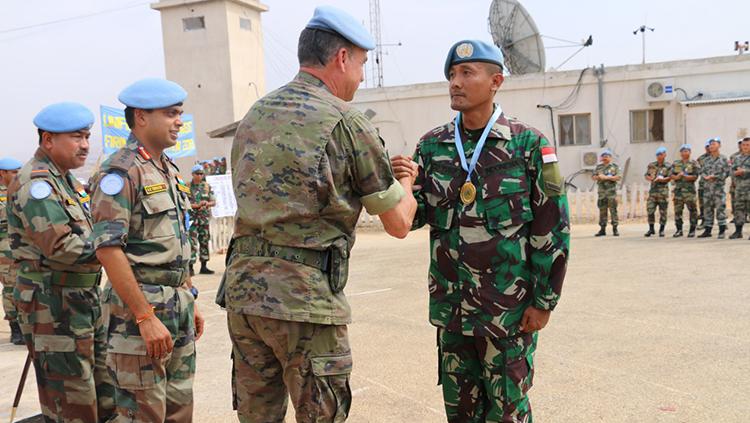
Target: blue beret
[64,117]
[661,150]
[197,168]
[686,147]
[9,163]
[472,51]
[606,152]
[710,140]
[331,19]
[217,159]
[152,93]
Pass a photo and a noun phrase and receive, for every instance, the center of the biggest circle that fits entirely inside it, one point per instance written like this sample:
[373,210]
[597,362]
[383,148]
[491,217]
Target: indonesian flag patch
[548,155]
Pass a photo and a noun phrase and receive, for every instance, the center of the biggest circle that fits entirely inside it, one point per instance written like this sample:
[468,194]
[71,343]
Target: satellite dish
[516,34]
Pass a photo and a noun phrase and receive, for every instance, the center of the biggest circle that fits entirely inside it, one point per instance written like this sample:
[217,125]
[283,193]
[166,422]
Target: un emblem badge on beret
[464,50]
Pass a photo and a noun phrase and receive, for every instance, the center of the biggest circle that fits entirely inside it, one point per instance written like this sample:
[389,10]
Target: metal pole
[599,72]
[643,35]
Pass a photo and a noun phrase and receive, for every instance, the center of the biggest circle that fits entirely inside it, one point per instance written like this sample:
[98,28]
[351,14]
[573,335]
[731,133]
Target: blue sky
[111,43]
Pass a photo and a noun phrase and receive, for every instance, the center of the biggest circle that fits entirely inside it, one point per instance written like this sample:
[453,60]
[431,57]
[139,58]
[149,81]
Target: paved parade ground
[648,330]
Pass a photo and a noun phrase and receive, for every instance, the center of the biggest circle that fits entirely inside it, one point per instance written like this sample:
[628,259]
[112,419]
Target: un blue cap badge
[464,50]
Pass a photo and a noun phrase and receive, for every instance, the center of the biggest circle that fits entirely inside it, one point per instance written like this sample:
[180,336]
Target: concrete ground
[648,330]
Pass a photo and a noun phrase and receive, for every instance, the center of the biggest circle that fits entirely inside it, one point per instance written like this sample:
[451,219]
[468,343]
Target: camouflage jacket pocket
[506,195]
[127,360]
[159,209]
[441,187]
[57,357]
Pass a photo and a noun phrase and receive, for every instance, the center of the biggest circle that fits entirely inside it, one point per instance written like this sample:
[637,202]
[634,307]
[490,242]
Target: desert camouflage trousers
[657,200]
[149,389]
[607,204]
[486,379]
[65,331]
[714,205]
[683,200]
[8,281]
[200,237]
[275,359]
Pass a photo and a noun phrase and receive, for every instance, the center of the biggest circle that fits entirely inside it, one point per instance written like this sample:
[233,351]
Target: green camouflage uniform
[607,191]
[490,260]
[304,164]
[701,188]
[147,219]
[7,276]
[714,196]
[200,236]
[658,195]
[57,292]
[733,184]
[742,188]
[222,169]
[684,191]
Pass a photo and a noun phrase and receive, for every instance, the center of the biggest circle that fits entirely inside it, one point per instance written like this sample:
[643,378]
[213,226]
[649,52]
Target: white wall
[405,113]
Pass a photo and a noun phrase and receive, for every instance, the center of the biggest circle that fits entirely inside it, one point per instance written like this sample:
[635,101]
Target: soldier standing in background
[141,238]
[701,186]
[8,170]
[201,200]
[57,286]
[658,173]
[684,173]
[732,177]
[304,163]
[607,174]
[741,173]
[714,171]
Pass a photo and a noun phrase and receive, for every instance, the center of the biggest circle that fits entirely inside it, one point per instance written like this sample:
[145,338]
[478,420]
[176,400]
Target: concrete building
[642,108]
[214,48]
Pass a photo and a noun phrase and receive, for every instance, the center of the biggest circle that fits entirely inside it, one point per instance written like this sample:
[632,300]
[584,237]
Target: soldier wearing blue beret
[50,230]
[702,183]
[498,179]
[8,170]
[304,164]
[141,238]
[684,174]
[658,173]
[607,174]
[715,169]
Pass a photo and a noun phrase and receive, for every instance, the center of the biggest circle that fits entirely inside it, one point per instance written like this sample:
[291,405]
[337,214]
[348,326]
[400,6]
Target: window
[246,24]
[575,129]
[646,125]
[193,24]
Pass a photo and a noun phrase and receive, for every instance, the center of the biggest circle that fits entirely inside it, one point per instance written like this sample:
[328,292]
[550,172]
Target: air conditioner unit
[660,90]
[589,159]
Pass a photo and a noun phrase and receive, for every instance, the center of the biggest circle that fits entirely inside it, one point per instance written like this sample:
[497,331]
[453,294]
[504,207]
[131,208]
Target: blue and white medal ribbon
[468,191]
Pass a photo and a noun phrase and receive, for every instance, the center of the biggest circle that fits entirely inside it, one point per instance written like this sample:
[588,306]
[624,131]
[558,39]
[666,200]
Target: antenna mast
[377,62]
[642,29]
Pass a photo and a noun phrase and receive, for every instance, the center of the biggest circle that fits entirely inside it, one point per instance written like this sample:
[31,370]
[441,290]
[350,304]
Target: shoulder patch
[39,173]
[122,160]
[111,184]
[40,190]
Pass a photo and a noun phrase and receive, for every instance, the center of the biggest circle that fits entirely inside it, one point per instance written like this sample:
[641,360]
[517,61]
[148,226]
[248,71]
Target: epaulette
[122,160]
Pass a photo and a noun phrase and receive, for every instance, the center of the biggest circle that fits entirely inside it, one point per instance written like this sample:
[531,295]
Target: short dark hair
[316,47]
[130,115]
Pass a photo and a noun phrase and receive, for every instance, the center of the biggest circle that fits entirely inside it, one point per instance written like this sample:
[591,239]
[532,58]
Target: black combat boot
[205,270]
[722,229]
[691,232]
[614,230]
[16,337]
[602,231]
[706,233]
[650,230]
[678,234]
[737,232]
[661,230]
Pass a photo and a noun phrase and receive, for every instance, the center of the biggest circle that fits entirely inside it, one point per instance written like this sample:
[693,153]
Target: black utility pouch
[339,273]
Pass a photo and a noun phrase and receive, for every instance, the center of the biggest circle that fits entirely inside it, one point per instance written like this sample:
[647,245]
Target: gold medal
[468,193]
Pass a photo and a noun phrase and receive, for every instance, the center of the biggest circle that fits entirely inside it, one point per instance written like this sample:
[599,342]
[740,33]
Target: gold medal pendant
[468,193]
